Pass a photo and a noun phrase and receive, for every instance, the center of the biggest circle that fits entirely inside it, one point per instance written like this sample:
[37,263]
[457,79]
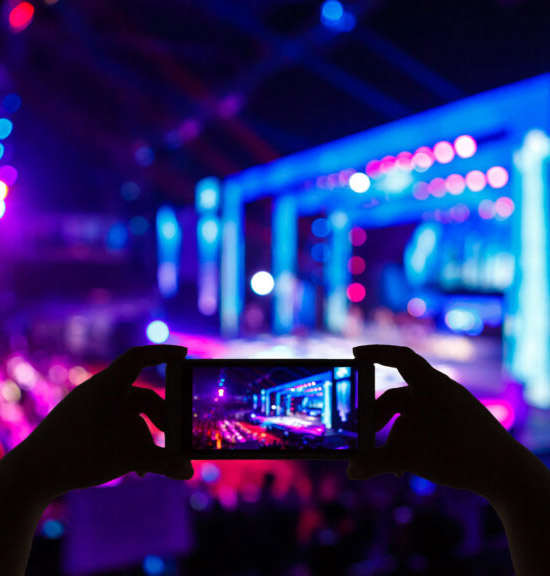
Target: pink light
[344,176]
[455,184]
[504,207]
[476,180]
[21,16]
[486,209]
[357,236]
[221,392]
[416,307]
[437,187]
[321,182]
[465,146]
[332,181]
[356,292]
[444,152]
[388,162]
[404,161]
[423,159]
[373,168]
[356,265]
[497,177]
[502,410]
[460,213]
[421,191]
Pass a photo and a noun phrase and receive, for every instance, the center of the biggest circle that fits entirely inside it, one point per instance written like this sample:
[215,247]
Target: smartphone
[270,409]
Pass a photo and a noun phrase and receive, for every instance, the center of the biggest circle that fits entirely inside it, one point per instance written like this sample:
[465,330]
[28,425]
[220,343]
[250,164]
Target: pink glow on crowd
[476,180]
[497,177]
[444,152]
[465,146]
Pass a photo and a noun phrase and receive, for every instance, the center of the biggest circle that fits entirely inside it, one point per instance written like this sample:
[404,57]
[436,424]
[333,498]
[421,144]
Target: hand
[443,433]
[96,433]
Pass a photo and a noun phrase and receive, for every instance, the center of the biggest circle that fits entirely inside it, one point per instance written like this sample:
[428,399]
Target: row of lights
[8,174]
[422,159]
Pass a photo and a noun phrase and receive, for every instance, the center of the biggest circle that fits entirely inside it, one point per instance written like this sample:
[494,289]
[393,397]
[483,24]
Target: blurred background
[279,178]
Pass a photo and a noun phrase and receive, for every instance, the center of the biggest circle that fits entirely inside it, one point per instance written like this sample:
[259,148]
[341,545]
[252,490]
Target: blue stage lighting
[332,12]
[6,127]
[320,227]
[209,230]
[154,565]
[158,332]
[11,103]
[117,236]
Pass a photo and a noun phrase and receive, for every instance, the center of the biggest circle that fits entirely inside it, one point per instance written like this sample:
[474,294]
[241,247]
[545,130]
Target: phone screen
[276,408]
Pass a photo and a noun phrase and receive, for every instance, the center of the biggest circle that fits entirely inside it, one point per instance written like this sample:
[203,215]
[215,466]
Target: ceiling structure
[165,93]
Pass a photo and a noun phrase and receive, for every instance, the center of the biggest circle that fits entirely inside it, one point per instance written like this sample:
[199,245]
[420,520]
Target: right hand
[443,433]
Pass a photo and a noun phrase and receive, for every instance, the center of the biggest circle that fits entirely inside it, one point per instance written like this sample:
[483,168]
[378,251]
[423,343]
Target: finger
[148,402]
[127,367]
[161,461]
[391,402]
[410,365]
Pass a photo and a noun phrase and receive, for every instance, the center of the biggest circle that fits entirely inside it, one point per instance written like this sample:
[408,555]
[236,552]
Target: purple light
[416,307]
[421,191]
[404,161]
[460,213]
[502,410]
[8,174]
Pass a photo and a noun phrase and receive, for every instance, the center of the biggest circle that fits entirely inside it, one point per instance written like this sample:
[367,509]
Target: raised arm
[94,435]
[446,435]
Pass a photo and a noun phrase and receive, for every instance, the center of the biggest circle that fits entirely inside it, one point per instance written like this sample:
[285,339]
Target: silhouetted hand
[443,433]
[96,433]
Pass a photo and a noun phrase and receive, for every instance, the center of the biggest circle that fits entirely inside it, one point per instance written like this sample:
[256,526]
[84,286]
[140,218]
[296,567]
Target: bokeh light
[21,16]
[6,127]
[11,103]
[476,180]
[357,236]
[356,292]
[416,307]
[320,227]
[465,146]
[486,209]
[497,177]
[3,190]
[8,174]
[130,191]
[455,184]
[460,213]
[2,208]
[157,332]
[423,159]
[359,182]
[320,252]
[262,283]
[444,152]
[356,265]
[437,187]
[421,191]
[504,207]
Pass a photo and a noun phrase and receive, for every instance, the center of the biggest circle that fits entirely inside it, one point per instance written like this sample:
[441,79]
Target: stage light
[455,184]
[221,392]
[386,164]
[404,161]
[460,213]
[444,152]
[153,565]
[130,191]
[416,307]
[168,229]
[359,182]
[423,159]
[437,187]
[262,283]
[465,146]
[11,103]
[357,236]
[2,150]
[320,252]
[157,332]
[117,236]
[463,320]
[8,174]
[421,191]
[356,292]
[210,230]
[210,472]
[208,194]
[504,207]
[497,177]
[21,16]
[6,126]
[356,265]
[486,209]
[320,227]
[3,190]
[373,169]
[332,13]
[476,180]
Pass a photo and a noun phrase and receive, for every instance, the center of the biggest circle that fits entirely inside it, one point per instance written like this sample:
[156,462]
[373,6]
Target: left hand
[96,433]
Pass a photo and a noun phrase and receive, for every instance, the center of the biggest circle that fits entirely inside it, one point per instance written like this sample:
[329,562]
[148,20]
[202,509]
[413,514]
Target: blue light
[168,248]
[332,12]
[145,156]
[153,565]
[53,529]
[130,191]
[138,225]
[210,472]
[199,501]
[320,252]
[169,230]
[464,320]
[209,229]
[421,486]
[117,236]
[11,103]
[320,227]
[6,127]
[1,150]
[158,332]
[208,194]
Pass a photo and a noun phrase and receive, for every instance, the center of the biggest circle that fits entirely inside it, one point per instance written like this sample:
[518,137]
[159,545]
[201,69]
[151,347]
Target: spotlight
[262,283]
[359,182]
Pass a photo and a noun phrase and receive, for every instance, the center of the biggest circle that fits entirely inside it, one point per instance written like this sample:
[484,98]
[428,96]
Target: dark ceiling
[164,93]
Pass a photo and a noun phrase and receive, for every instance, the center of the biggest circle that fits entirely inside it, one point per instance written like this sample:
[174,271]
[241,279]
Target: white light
[158,332]
[359,182]
[262,283]
[209,230]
